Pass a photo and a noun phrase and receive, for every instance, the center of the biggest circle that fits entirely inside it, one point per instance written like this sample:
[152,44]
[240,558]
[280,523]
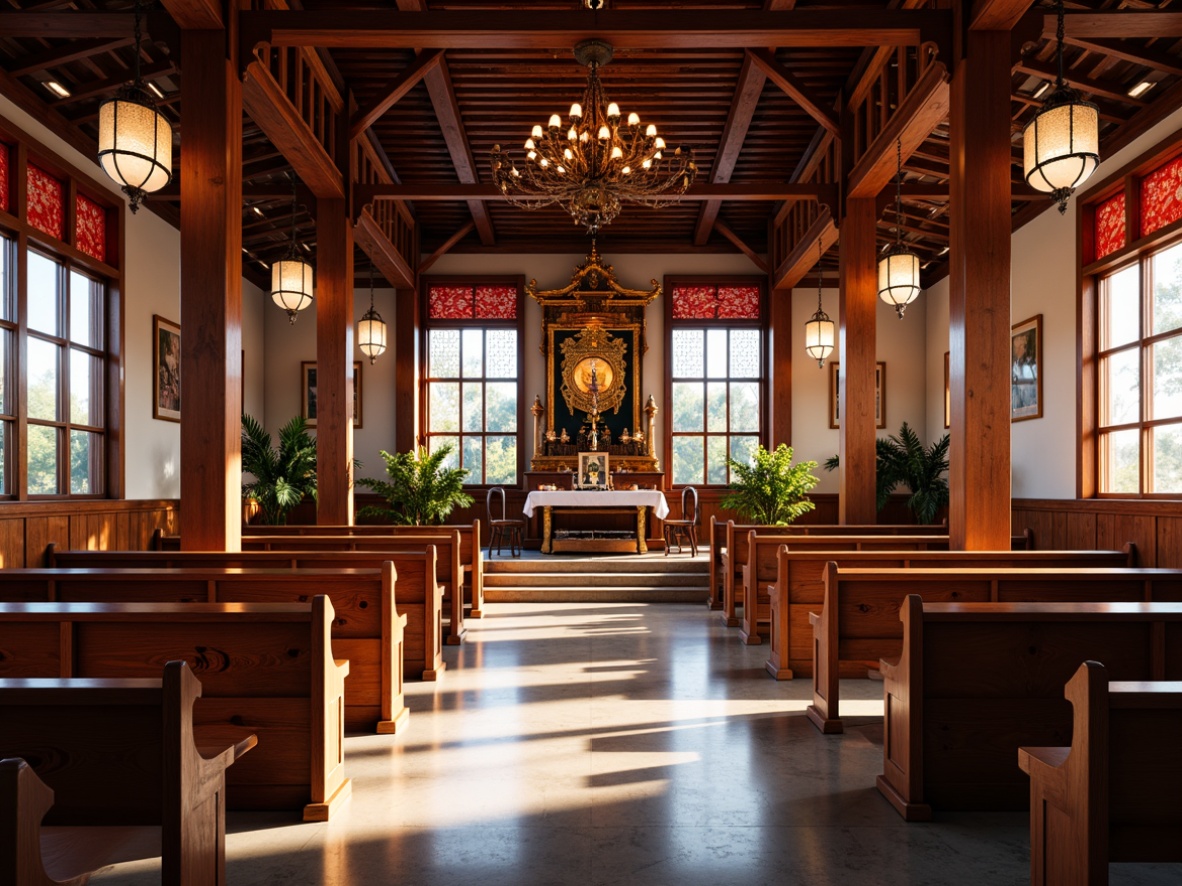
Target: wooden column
[779,367]
[859,306]
[406,370]
[334,363]
[211,295]
[979,309]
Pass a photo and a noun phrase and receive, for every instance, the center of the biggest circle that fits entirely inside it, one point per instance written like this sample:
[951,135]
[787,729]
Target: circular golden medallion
[603,375]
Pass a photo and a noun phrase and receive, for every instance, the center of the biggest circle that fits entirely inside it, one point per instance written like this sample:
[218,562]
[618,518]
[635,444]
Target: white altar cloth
[615,498]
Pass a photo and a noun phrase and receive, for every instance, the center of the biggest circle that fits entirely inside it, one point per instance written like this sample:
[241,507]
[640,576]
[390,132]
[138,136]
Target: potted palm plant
[770,490]
[421,490]
[283,476]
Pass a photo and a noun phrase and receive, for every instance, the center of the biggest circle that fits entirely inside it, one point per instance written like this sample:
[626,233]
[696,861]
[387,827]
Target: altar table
[609,501]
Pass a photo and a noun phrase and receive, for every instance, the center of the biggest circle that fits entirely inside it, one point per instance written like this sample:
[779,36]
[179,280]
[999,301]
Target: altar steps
[558,579]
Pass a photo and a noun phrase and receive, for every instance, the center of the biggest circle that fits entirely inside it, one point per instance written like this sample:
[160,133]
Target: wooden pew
[1112,796]
[728,552]
[800,589]
[267,668]
[122,768]
[449,571]
[763,563]
[471,553]
[976,681]
[380,626]
[860,618]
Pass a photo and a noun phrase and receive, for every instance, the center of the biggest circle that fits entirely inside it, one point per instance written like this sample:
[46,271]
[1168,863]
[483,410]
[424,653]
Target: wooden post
[334,363]
[779,367]
[859,307]
[406,370]
[211,295]
[979,308]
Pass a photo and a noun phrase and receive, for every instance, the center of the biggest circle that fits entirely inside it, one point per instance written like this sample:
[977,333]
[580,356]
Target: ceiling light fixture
[155,90]
[1062,141]
[598,162]
[57,89]
[371,328]
[898,270]
[819,330]
[135,140]
[291,276]
[1141,88]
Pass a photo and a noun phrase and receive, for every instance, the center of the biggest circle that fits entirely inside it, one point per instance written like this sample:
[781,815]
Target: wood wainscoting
[1105,523]
[91,525]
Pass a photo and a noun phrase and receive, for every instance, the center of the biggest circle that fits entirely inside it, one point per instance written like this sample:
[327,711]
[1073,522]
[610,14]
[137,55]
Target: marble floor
[621,744]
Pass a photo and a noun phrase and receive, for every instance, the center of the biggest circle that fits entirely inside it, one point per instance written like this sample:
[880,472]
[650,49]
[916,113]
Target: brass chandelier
[597,161]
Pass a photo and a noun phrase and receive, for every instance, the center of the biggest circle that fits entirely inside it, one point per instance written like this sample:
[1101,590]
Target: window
[716,396]
[55,344]
[472,376]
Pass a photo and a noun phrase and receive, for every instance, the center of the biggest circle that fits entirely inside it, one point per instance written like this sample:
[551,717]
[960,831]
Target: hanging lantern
[1061,144]
[291,276]
[819,331]
[135,139]
[898,270]
[371,329]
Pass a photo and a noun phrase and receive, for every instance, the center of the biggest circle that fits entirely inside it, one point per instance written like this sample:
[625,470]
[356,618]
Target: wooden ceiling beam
[111,84]
[1095,87]
[545,29]
[924,107]
[196,14]
[745,191]
[803,257]
[76,25]
[270,108]
[451,241]
[738,121]
[998,15]
[756,258]
[1110,23]
[392,264]
[65,53]
[393,91]
[1138,55]
[794,89]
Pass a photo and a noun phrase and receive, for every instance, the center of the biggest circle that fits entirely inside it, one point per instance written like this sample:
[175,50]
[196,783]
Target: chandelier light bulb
[617,152]
[572,134]
[536,132]
[555,121]
[613,110]
[651,131]
[561,170]
[646,164]
[659,143]
[530,144]
[633,119]
[604,133]
[584,137]
[543,162]
[576,111]
[530,156]
[627,170]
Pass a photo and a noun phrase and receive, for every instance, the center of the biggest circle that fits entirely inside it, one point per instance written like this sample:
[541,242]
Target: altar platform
[585,578]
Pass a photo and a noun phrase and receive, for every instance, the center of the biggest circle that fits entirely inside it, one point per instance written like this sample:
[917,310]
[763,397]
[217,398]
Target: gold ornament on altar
[593,349]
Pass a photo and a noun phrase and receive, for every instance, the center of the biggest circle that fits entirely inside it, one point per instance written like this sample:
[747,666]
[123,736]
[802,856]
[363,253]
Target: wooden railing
[883,90]
[393,217]
[303,79]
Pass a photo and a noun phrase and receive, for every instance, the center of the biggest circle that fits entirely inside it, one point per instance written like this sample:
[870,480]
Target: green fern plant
[283,476]
[771,490]
[420,491]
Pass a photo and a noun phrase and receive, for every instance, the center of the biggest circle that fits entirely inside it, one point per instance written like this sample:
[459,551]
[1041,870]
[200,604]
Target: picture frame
[166,362]
[308,392]
[947,390]
[593,470]
[879,395]
[1026,369]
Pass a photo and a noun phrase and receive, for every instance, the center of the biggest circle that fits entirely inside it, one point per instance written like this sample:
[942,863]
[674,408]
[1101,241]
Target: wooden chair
[684,528]
[502,529]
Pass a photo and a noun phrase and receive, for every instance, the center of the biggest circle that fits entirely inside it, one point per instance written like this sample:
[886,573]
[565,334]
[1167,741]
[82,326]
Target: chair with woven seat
[684,528]
[502,529]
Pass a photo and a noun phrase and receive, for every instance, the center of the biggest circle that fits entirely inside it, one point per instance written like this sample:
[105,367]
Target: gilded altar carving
[594,349]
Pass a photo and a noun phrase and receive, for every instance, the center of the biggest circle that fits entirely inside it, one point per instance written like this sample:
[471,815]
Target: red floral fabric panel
[1161,197]
[91,228]
[694,303]
[4,180]
[1110,226]
[496,302]
[738,302]
[450,302]
[47,199]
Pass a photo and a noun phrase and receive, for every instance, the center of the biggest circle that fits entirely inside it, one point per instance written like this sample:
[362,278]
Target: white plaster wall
[289,344]
[901,344]
[151,446]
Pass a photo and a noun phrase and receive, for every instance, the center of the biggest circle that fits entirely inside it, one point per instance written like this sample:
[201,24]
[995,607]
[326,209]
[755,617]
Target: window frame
[427,324]
[762,325]
[1137,249]
[23,151]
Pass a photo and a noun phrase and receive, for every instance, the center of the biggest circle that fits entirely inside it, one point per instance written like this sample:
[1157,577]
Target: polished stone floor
[621,744]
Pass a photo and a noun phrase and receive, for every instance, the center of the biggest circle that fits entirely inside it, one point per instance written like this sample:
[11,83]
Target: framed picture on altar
[592,470]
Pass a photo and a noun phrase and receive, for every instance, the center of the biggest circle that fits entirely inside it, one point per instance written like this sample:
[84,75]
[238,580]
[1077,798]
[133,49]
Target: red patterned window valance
[1110,226]
[715,302]
[47,202]
[1161,197]
[91,228]
[5,177]
[472,302]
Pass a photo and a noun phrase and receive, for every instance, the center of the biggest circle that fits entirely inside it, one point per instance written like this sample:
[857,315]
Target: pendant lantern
[819,331]
[898,270]
[291,276]
[371,328]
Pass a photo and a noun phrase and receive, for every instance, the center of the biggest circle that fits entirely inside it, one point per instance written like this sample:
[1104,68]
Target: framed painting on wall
[308,392]
[947,392]
[879,395]
[1026,369]
[166,361]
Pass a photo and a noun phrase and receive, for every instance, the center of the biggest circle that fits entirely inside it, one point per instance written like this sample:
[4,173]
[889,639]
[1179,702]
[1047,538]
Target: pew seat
[265,668]
[1112,795]
[118,770]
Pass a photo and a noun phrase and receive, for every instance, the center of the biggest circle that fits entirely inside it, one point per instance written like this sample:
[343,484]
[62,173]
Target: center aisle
[621,743]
